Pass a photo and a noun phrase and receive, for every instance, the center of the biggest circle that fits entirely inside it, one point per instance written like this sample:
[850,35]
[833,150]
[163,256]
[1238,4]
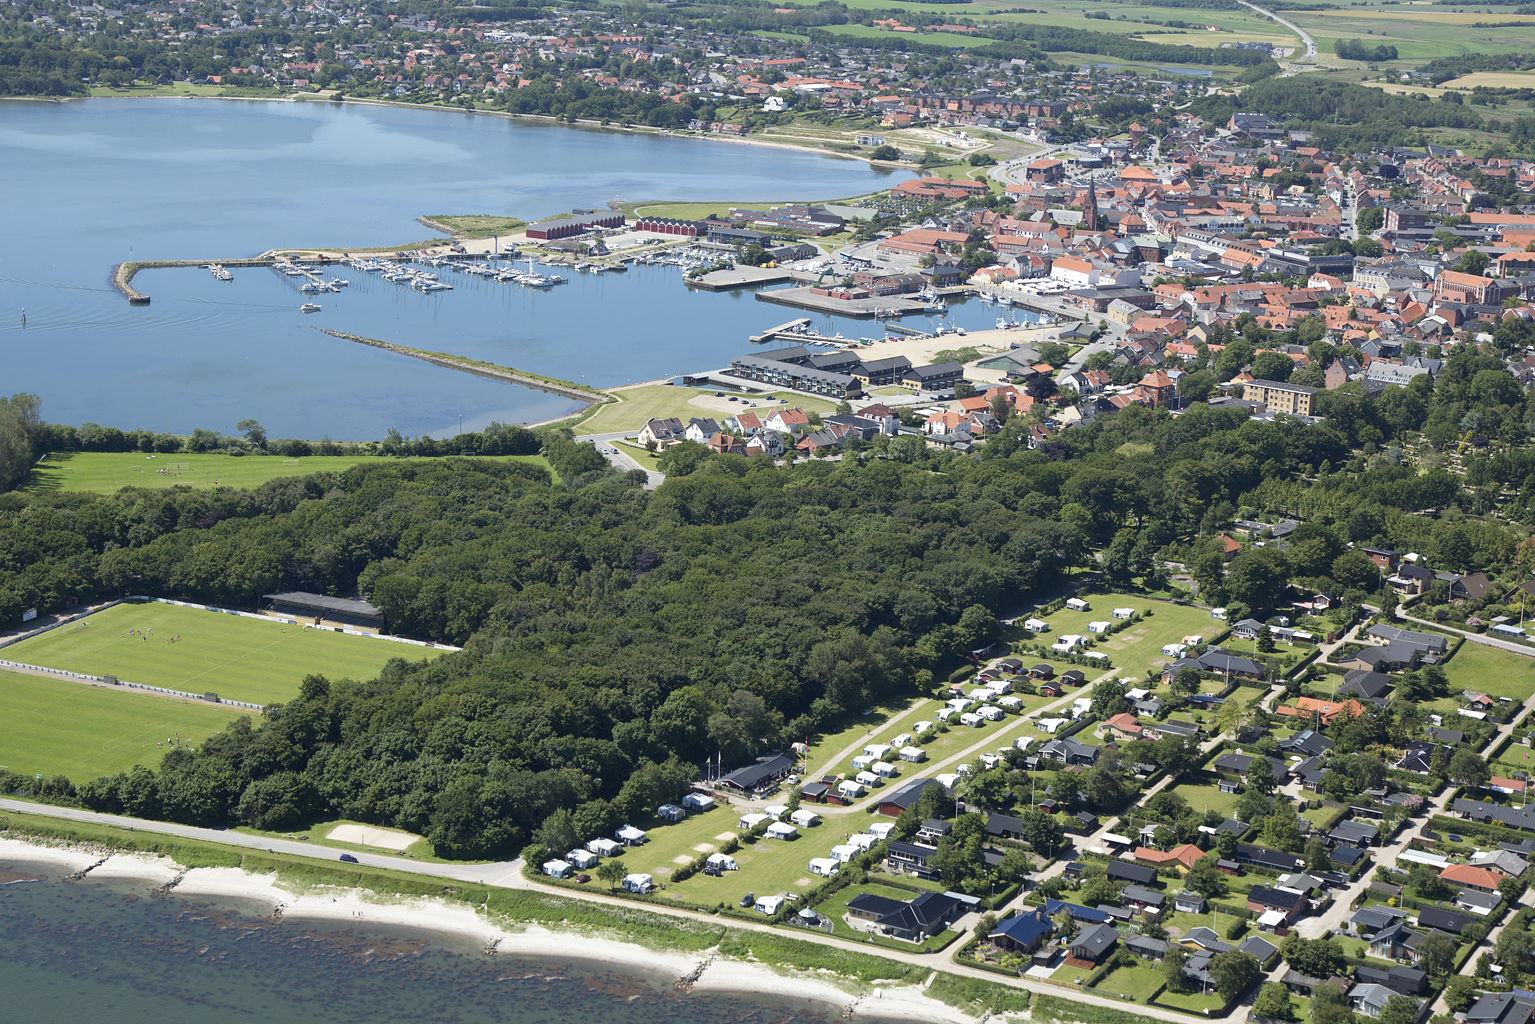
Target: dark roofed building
[1120,871]
[897,801]
[1365,683]
[760,776]
[320,607]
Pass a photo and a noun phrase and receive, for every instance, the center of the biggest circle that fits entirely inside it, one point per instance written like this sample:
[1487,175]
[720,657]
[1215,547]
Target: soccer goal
[291,462]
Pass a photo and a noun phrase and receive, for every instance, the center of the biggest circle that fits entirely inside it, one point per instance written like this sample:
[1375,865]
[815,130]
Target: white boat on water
[340,282]
[311,287]
[309,307]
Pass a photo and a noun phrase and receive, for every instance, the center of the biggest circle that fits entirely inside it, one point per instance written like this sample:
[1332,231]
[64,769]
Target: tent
[641,884]
[751,821]
[782,830]
[671,813]
[842,853]
[775,811]
[867,779]
[697,802]
[723,861]
[770,904]
[862,840]
[582,859]
[604,847]
[630,836]
[804,818]
[557,869]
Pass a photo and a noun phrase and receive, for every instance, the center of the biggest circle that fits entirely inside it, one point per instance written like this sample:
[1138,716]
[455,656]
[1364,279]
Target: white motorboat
[309,307]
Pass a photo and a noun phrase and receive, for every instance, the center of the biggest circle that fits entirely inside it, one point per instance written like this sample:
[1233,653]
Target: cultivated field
[52,727]
[237,658]
[1494,79]
[107,472]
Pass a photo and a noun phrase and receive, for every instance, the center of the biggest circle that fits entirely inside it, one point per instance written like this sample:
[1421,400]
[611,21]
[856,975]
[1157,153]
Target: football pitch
[200,651]
[52,727]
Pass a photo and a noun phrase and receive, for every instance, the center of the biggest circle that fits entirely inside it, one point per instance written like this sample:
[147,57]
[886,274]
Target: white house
[990,713]
[751,821]
[1076,604]
[782,830]
[1123,613]
[1036,625]
[916,755]
[581,859]
[641,884]
[697,802]
[805,818]
[1099,627]
[557,869]
[823,866]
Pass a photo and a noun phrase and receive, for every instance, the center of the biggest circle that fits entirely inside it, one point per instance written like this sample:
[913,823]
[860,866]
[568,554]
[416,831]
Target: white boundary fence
[123,682]
[138,599]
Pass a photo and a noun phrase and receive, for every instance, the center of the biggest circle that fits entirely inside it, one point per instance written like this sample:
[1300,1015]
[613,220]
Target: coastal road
[496,873]
[509,875]
[1310,43]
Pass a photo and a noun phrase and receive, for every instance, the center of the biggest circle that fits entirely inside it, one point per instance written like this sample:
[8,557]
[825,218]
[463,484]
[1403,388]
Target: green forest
[614,639]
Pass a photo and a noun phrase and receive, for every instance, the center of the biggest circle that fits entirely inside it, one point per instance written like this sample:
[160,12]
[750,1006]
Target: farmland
[53,727]
[237,658]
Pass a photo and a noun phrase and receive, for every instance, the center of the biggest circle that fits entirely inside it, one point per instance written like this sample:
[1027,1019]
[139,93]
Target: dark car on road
[349,858]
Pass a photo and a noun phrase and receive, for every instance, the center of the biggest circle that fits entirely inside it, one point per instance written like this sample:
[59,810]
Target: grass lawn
[1206,796]
[639,454]
[107,472]
[1193,1002]
[882,723]
[1491,671]
[52,727]
[1139,647]
[638,404]
[319,834]
[768,867]
[237,658]
[1137,982]
[478,225]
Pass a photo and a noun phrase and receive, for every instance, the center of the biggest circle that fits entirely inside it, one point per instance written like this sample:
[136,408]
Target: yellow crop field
[1493,80]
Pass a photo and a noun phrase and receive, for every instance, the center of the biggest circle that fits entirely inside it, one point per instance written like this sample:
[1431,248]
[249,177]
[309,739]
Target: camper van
[697,802]
[640,884]
[804,818]
[557,869]
[991,714]
[973,721]
[1123,613]
[915,755]
[1036,625]
[1099,627]
[868,779]
[1076,604]
[581,859]
[1174,650]
[884,769]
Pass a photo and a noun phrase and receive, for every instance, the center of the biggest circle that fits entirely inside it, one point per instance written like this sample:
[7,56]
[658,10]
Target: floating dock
[793,328]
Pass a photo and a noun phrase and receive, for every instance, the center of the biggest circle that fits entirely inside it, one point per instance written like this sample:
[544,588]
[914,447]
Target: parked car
[749,900]
[349,858]
[583,878]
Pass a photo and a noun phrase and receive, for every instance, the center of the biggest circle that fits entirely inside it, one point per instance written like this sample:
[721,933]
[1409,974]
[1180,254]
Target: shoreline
[708,971]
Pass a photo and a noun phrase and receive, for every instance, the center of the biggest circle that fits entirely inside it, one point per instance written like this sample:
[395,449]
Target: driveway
[607,444]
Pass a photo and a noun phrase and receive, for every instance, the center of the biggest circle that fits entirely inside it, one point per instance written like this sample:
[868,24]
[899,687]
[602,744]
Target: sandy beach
[363,906]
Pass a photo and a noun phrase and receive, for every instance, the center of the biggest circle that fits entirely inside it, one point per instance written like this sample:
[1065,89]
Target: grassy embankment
[637,404]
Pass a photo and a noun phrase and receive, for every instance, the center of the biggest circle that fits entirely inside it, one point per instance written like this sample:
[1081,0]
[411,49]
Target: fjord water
[88,183]
[81,953]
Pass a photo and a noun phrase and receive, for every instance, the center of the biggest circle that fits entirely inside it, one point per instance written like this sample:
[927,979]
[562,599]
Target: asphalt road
[1310,43]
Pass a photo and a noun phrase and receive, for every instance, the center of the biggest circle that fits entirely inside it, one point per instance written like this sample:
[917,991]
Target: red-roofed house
[1471,877]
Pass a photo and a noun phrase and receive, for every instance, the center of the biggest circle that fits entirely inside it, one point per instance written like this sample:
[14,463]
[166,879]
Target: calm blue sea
[90,183]
[94,951]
